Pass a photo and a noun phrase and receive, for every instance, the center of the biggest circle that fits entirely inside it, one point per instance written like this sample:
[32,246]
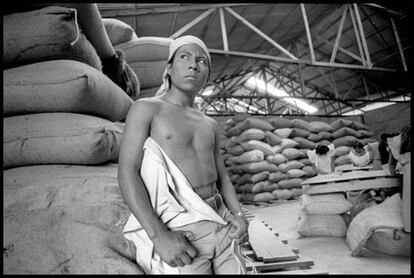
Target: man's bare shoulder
[147,106]
[210,121]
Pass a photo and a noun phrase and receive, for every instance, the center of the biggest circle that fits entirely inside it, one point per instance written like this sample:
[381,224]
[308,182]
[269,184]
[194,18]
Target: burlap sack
[118,31]
[365,133]
[342,150]
[294,164]
[263,197]
[310,172]
[343,131]
[385,216]
[257,145]
[282,194]
[304,143]
[271,138]
[277,176]
[234,178]
[279,122]
[283,132]
[255,123]
[359,125]
[390,242]
[46,34]
[65,219]
[325,135]
[324,142]
[331,203]
[147,49]
[249,156]
[299,132]
[288,143]
[295,173]
[305,161]
[344,141]
[59,138]
[292,153]
[315,137]
[236,150]
[264,186]
[298,123]
[245,178]
[148,72]
[337,124]
[366,141]
[296,192]
[255,178]
[63,86]
[291,183]
[319,126]
[256,167]
[250,134]
[315,225]
[276,159]
[342,160]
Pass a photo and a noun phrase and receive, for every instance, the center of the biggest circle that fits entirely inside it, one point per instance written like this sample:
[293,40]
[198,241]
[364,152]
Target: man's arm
[172,247]
[229,194]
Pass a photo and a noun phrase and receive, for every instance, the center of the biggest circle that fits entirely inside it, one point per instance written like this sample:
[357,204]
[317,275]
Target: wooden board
[350,167]
[294,266]
[262,266]
[351,185]
[266,245]
[310,271]
[339,176]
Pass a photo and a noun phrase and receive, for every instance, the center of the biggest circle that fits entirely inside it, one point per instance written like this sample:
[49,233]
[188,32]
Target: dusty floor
[330,254]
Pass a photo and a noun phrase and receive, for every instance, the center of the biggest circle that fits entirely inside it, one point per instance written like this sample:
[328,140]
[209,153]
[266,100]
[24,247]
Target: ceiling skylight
[256,83]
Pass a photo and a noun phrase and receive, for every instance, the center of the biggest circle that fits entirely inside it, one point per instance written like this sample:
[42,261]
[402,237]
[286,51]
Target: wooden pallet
[349,181]
[271,254]
[269,203]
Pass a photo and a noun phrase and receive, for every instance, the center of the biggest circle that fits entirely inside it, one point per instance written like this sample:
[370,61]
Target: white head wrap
[175,44]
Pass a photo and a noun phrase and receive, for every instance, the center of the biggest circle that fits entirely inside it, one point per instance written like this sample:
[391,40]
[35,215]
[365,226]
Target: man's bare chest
[182,130]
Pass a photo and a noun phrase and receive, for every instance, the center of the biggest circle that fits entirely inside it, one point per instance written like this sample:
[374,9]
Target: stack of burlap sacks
[63,125]
[266,158]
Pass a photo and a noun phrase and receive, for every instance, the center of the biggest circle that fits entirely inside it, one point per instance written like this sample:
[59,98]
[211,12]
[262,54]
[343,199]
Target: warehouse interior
[293,70]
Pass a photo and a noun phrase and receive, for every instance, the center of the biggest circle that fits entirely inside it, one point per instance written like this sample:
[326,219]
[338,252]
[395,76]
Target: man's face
[189,69]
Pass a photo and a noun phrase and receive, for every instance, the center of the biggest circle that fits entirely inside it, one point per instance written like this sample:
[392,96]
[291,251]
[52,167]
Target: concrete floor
[330,254]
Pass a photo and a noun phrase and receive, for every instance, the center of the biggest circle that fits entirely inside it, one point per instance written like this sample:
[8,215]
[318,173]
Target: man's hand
[174,248]
[240,233]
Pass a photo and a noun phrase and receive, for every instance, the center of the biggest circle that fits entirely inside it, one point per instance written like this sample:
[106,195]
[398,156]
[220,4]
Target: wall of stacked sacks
[266,158]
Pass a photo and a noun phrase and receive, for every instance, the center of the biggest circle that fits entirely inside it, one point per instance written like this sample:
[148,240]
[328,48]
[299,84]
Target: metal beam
[363,38]
[140,10]
[308,34]
[397,37]
[192,23]
[263,35]
[223,30]
[293,61]
[338,37]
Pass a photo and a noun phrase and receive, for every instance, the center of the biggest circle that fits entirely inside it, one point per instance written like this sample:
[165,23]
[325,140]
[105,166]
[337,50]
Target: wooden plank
[352,185]
[310,271]
[350,167]
[266,246]
[339,176]
[261,266]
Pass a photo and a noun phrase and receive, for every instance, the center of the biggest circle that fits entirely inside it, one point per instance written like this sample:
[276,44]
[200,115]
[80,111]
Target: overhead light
[369,107]
[256,83]
[207,91]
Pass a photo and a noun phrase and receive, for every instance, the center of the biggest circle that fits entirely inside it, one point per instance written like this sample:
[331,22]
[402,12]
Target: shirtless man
[191,140]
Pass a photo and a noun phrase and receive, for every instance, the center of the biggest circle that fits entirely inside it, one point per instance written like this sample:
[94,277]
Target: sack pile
[320,215]
[63,209]
[266,158]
